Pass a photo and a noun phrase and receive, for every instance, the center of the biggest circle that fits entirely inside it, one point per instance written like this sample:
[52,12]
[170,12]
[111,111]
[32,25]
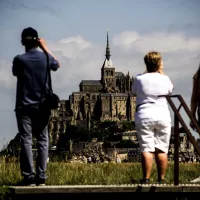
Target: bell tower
[108,70]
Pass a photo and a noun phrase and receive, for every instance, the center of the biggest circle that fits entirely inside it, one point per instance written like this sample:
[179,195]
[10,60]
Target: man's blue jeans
[33,121]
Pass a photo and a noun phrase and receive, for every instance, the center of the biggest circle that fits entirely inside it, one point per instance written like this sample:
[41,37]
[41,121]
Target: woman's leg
[147,162]
[161,161]
[145,135]
[162,139]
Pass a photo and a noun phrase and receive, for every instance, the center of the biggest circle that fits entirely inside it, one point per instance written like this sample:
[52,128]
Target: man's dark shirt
[30,69]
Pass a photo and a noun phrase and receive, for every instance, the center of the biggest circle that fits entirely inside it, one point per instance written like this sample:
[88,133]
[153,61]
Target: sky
[75,31]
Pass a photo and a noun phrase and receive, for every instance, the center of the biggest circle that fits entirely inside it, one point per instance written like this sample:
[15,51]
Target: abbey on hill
[109,98]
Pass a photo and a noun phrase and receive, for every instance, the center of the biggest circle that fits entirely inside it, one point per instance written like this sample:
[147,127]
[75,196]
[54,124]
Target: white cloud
[81,59]
[126,38]
[159,41]
[72,47]
[78,40]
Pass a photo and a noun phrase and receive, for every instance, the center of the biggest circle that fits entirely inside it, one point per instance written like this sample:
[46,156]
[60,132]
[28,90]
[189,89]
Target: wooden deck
[101,191]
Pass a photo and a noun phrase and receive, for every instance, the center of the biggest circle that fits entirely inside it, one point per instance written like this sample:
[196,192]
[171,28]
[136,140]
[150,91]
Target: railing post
[178,119]
[176,150]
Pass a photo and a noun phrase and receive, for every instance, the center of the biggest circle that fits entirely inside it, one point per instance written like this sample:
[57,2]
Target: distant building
[130,135]
[109,98]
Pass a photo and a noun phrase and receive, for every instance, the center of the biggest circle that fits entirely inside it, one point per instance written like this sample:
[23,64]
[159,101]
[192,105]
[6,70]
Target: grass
[61,173]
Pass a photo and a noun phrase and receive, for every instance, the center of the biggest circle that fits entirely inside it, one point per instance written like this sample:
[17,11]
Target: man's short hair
[152,60]
[29,36]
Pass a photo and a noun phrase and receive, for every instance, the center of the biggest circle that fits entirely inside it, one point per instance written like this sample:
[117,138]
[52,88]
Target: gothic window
[87,96]
[111,73]
[106,73]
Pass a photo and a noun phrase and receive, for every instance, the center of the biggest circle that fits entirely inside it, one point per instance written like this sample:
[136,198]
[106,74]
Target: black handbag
[50,100]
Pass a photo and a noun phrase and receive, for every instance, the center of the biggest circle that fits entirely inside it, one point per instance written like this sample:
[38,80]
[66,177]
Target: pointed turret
[108,69]
[107,63]
[107,48]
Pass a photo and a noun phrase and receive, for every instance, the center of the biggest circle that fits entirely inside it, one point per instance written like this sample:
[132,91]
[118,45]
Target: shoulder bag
[51,100]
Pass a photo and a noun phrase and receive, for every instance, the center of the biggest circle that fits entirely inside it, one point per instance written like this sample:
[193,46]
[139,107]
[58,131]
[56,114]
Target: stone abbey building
[109,98]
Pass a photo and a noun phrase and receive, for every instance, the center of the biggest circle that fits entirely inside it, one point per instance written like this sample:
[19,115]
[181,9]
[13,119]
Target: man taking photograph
[33,84]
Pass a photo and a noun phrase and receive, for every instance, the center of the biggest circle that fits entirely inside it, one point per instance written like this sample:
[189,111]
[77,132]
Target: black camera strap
[48,75]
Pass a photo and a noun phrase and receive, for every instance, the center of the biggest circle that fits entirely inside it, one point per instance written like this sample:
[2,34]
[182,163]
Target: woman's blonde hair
[152,60]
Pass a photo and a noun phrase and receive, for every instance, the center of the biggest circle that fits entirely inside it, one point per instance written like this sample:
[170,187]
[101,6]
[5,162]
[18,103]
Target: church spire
[107,48]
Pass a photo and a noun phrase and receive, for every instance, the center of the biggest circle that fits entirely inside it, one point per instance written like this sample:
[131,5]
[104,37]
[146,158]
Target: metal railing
[178,120]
